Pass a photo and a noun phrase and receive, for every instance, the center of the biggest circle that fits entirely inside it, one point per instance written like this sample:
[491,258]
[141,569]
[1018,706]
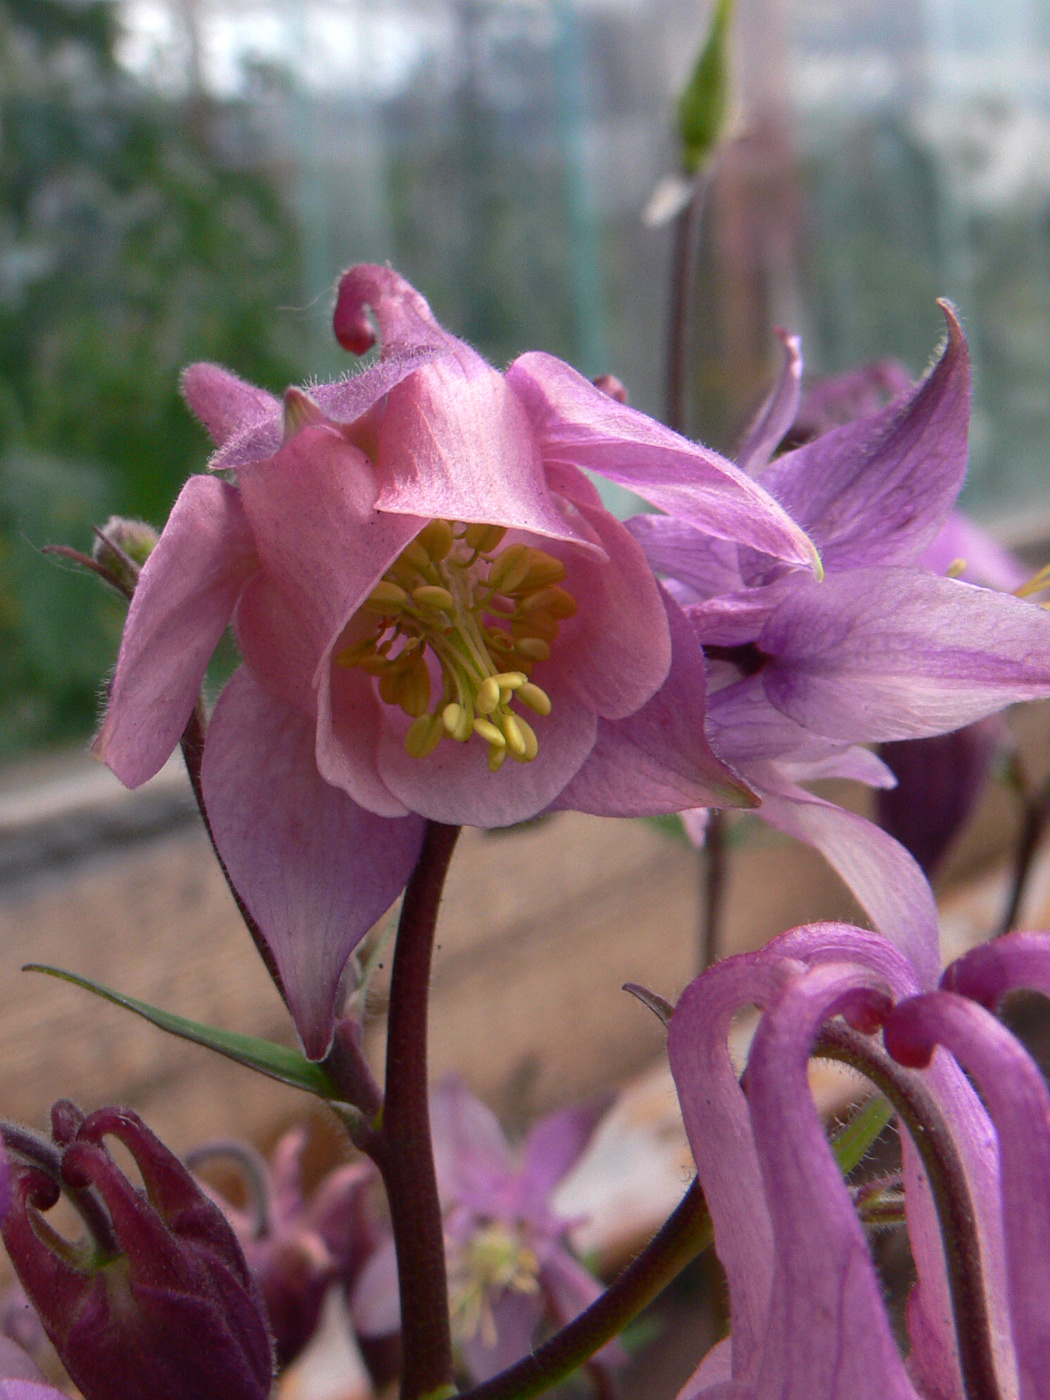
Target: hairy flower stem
[403,1150]
[951,1193]
[685,1234]
[685,227]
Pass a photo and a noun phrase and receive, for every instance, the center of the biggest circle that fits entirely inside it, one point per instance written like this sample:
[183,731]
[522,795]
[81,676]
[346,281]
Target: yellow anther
[389,684]
[1035,584]
[358,654]
[512,729]
[956,568]
[458,721]
[543,569]
[535,697]
[484,538]
[510,680]
[416,555]
[423,736]
[510,568]
[537,624]
[532,648]
[528,739]
[386,598]
[489,732]
[488,696]
[433,597]
[554,600]
[437,539]
[413,692]
[496,757]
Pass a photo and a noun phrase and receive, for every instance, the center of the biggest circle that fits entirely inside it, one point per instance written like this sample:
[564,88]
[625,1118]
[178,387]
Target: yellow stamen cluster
[488,615]
[496,1258]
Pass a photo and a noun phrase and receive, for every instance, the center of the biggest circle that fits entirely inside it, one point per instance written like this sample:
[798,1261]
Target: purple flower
[158,1299]
[510,1266]
[801,671]
[423,584]
[298,1248]
[808,1319]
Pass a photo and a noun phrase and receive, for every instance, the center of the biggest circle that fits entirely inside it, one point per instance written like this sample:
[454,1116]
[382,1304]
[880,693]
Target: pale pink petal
[861,765]
[878,490]
[578,425]
[556,1143]
[658,760]
[1014,1089]
[616,651]
[470,1149]
[454,784]
[454,442]
[277,644]
[718,1123]
[880,872]
[716,1370]
[988,563]
[315,870]
[516,1316]
[349,727]
[875,654]
[375,1306]
[826,1335]
[184,599]
[225,404]
[339,547]
[709,567]
[777,414]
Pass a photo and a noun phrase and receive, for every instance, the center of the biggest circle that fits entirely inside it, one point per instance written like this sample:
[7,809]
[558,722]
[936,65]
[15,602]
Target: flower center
[486,614]
[495,1258]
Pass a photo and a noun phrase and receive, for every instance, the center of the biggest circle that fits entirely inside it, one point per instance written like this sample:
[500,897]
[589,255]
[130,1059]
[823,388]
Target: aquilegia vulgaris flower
[808,1320]
[436,615]
[800,672]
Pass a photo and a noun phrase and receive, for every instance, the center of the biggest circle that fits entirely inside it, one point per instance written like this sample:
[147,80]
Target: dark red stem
[403,1151]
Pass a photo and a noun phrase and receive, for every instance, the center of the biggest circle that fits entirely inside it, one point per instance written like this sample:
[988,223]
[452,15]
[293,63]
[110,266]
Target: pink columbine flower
[509,1262]
[808,1320]
[435,613]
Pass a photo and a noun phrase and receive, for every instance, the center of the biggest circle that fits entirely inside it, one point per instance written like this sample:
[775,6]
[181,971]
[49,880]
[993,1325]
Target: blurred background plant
[184,179]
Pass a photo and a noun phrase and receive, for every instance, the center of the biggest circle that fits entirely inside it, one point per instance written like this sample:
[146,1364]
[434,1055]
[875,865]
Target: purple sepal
[174,1315]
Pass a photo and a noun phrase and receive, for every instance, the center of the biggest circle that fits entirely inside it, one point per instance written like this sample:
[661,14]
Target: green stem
[685,1234]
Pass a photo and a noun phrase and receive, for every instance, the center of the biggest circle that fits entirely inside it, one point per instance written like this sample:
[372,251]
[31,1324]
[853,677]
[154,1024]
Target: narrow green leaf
[278,1062]
[703,107]
[854,1138]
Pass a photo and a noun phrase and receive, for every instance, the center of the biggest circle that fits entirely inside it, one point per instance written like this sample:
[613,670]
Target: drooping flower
[157,1299]
[297,1248]
[801,672]
[434,610]
[509,1263]
[808,1319]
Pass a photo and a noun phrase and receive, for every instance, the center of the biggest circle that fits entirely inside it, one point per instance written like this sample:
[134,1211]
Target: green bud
[703,107]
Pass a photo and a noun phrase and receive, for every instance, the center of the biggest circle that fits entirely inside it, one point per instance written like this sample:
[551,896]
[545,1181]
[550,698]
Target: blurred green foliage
[138,232]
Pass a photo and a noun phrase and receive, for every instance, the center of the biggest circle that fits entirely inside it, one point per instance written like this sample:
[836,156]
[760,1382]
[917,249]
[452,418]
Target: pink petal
[185,596]
[577,425]
[320,540]
[718,1123]
[225,404]
[470,1148]
[349,728]
[884,877]
[516,1316]
[878,490]
[777,413]
[616,651]
[875,654]
[827,1336]
[454,784]
[315,870]
[706,565]
[1015,1092]
[658,760]
[556,1143]
[454,442]
[277,644]
[988,563]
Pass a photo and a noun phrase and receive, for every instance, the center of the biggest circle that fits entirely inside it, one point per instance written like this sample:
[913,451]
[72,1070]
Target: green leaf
[703,107]
[854,1139]
[278,1062]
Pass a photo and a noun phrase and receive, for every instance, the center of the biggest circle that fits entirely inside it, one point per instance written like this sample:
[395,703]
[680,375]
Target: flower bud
[123,546]
[164,1307]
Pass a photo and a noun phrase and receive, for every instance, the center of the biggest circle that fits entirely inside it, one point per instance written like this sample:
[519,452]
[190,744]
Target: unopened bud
[123,546]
